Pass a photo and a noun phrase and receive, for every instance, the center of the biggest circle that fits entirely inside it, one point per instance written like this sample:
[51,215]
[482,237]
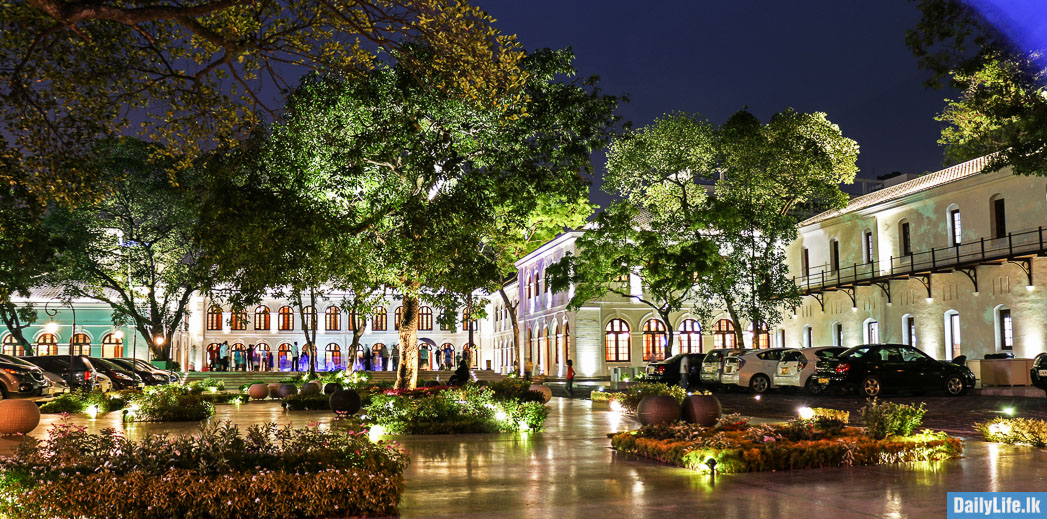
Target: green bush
[219,473]
[78,402]
[883,419]
[168,404]
[65,403]
[631,397]
[1017,431]
[199,386]
[515,388]
[470,409]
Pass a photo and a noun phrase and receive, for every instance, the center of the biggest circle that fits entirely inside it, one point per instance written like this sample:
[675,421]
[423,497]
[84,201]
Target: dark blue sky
[845,58]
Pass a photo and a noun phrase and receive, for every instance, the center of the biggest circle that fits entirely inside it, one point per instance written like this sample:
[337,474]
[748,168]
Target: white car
[712,365]
[797,368]
[753,370]
[103,383]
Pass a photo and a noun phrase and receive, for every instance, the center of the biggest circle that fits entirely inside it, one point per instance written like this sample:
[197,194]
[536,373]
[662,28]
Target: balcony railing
[943,259]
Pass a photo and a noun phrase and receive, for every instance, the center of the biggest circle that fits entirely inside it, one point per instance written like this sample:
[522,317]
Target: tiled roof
[54,293]
[923,183]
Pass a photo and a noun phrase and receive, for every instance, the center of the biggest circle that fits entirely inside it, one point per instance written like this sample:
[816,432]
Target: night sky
[845,58]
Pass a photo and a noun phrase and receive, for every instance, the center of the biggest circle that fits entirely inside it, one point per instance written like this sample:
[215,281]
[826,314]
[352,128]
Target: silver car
[797,368]
[712,365]
[754,370]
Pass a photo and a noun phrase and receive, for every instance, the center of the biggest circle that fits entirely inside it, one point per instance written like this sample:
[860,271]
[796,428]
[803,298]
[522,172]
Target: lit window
[261,318]
[425,318]
[690,335]
[616,339]
[378,321]
[214,318]
[654,340]
[723,334]
[333,319]
[285,318]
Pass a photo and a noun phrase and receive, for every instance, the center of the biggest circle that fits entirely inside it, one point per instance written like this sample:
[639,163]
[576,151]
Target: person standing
[395,357]
[685,371]
[250,357]
[223,356]
[269,361]
[448,357]
[294,356]
[570,379]
[385,358]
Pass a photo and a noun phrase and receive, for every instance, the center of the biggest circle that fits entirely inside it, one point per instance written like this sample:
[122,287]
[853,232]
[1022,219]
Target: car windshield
[714,356]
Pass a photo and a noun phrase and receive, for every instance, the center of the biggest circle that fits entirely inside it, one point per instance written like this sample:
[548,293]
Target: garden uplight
[1002,428]
[523,425]
[92,410]
[806,413]
[1009,411]
[376,432]
[214,389]
[616,406]
[500,415]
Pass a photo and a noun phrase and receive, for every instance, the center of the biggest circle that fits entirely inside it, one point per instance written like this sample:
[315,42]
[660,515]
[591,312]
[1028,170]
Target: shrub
[469,409]
[883,419]
[199,386]
[837,414]
[168,404]
[78,402]
[514,389]
[300,402]
[219,473]
[1018,431]
[244,387]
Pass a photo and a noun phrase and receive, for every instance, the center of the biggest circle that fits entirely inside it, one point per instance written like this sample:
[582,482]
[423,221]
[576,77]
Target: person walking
[269,361]
[385,357]
[294,356]
[223,356]
[448,357]
[395,357]
[570,379]
[250,357]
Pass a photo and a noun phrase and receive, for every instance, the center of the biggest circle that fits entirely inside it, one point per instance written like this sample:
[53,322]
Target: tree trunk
[669,334]
[407,372]
[9,314]
[355,346]
[516,326]
[739,338]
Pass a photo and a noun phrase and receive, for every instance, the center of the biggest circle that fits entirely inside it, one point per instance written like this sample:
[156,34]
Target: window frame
[617,339]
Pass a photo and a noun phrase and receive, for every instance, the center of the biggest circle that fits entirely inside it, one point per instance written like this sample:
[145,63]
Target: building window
[425,318]
[690,336]
[530,281]
[396,317]
[333,319]
[333,357]
[238,319]
[723,334]
[781,337]
[379,320]
[47,344]
[261,318]
[1006,332]
[834,255]
[467,322]
[353,320]
[112,345]
[872,332]
[537,283]
[837,334]
[953,337]
[309,318]
[214,318]
[81,344]
[616,341]
[285,319]
[999,217]
[808,336]
[805,262]
[654,340]
[546,287]
[283,357]
[12,347]
[906,241]
[867,241]
[956,227]
[556,344]
[910,330]
[761,338]
[566,341]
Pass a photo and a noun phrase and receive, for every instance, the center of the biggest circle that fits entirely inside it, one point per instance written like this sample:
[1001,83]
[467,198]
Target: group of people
[223,358]
[377,359]
[252,359]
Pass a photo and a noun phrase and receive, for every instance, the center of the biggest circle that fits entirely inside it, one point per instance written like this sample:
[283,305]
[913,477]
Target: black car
[82,375]
[122,378]
[150,375]
[668,371]
[1039,371]
[872,369]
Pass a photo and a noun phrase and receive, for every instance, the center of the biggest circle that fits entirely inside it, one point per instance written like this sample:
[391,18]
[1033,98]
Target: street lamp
[52,328]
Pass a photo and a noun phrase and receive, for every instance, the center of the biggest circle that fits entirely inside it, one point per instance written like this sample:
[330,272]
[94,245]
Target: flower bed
[1015,431]
[270,472]
[443,410]
[630,398]
[169,404]
[736,446]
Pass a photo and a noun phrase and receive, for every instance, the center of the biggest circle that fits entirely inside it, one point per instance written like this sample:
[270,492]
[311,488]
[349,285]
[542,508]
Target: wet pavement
[568,471]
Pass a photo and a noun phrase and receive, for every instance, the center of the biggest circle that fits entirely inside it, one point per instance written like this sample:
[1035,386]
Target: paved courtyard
[568,471]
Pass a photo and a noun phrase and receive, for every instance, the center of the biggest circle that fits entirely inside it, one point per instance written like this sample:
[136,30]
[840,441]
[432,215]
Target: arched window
[238,319]
[1004,329]
[953,335]
[378,321]
[47,344]
[213,350]
[904,238]
[81,344]
[113,345]
[333,319]
[12,347]
[537,283]
[616,341]
[332,357]
[214,318]
[761,337]
[283,357]
[808,336]
[396,317]
[261,349]
[530,281]
[997,216]
[309,318]
[909,330]
[354,320]
[871,331]
[261,318]
[285,319]
[467,322]
[654,340]
[690,336]
[556,343]
[954,224]
[723,334]
[425,318]
[837,333]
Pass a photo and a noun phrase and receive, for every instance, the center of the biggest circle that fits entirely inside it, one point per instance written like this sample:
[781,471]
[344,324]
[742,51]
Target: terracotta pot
[310,388]
[547,394]
[658,409]
[703,410]
[18,417]
[274,390]
[258,391]
[286,390]
[331,387]
[345,401]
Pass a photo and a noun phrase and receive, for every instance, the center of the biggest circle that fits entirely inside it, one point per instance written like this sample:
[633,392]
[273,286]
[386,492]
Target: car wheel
[871,386]
[813,387]
[759,384]
[954,385]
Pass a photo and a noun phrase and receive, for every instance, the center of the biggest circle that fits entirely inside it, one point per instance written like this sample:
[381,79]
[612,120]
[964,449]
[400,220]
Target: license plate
[823,380]
[1043,372]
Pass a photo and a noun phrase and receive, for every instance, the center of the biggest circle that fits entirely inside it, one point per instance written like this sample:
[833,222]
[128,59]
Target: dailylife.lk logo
[997,505]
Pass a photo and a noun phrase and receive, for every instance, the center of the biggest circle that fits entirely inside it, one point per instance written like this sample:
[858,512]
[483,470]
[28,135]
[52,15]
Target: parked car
[799,368]
[753,370]
[150,375]
[122,378]
[21,379]
[80,374]
[1039,371]
[712,365]
[668,371]
[872,369]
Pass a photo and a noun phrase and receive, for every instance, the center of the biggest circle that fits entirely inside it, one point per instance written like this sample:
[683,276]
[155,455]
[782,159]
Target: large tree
[1002,79]
[133,249]
[190,75]
[27,251]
